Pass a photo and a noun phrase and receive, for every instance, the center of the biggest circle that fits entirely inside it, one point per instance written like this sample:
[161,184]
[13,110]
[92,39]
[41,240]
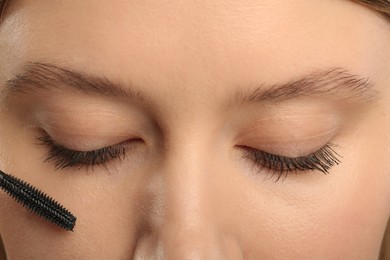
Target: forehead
[187,42]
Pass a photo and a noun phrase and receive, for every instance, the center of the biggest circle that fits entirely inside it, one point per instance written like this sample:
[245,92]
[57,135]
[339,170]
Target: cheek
[345,221]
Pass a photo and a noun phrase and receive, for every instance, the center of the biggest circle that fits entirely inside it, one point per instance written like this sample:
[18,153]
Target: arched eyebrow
[329,82]
[37,76]
[336,82]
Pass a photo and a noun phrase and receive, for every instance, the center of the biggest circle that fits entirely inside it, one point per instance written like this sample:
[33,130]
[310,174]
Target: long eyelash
[67,158]
[322,160]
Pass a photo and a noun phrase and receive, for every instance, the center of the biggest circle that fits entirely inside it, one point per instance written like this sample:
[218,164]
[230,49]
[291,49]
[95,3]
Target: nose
[186,210]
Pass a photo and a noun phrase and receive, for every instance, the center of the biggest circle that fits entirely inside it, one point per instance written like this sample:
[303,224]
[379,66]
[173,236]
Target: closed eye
[322,160]
[64,157]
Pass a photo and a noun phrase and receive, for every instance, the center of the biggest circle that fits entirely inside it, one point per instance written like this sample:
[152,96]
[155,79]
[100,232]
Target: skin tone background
[186,192]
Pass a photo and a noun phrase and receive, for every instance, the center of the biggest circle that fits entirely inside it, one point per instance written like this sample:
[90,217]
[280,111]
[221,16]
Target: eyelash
[67,158]
[322,160]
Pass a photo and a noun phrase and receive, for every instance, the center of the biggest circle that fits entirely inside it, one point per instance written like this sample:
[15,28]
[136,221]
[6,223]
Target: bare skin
[184,190]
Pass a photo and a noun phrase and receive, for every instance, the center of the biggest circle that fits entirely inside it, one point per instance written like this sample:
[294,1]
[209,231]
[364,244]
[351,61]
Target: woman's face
[221,118]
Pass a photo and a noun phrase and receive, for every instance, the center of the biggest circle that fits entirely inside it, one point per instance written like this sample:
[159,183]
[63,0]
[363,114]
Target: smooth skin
[185,191]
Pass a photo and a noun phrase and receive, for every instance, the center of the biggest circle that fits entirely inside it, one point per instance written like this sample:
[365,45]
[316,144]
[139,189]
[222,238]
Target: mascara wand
[37,201]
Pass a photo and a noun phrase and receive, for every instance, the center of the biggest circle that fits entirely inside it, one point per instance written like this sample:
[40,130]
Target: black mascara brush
[37,201]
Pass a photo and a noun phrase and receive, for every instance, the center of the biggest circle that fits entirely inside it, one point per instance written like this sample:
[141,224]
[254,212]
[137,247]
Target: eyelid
[86,127]
[293,148]
[82,141]
[288,140]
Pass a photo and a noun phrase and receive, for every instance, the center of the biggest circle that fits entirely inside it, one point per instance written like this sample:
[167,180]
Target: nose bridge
[186,169]
[189,229]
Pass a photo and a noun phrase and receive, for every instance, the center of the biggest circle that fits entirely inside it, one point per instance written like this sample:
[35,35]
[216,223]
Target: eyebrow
[38,76]
[335,82]
[327,82]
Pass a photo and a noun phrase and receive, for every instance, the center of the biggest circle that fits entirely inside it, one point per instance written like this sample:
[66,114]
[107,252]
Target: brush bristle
[37,201]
